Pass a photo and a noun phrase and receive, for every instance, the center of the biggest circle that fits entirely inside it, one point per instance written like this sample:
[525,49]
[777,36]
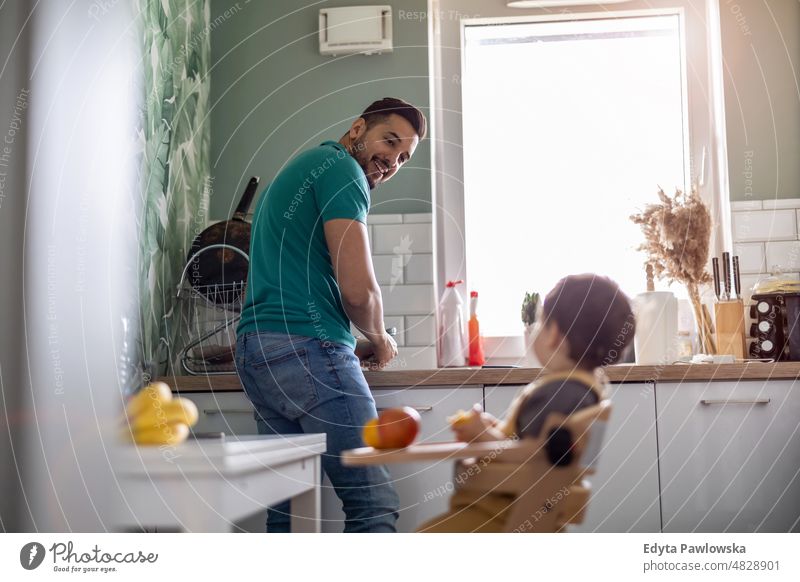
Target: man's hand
[363,349]
[376,355]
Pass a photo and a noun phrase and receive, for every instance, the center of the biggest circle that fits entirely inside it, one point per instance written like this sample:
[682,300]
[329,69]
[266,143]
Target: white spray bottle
[451,345]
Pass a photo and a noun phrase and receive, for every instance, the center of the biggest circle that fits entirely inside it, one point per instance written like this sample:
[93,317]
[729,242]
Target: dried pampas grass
[677,237]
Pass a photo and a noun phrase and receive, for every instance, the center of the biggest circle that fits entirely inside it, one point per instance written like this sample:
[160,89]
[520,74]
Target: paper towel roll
[656,327]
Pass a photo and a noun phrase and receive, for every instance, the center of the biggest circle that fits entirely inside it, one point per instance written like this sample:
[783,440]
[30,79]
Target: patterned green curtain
[175,164]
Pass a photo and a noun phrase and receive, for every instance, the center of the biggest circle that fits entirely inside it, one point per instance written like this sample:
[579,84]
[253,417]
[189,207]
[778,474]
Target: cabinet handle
[228,411]
[417,408]
[735,401]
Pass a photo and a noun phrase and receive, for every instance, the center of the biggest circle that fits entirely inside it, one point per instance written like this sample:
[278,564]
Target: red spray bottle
[476,357]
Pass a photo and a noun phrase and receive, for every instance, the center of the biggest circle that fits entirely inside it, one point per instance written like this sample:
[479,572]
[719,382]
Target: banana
[175,411]
[154,417]
[170,434]
[157,392]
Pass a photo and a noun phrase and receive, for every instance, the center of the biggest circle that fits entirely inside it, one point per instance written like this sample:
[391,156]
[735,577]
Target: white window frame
[705,145]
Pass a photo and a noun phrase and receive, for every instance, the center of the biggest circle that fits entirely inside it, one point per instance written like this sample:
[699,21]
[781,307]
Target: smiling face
[382,148]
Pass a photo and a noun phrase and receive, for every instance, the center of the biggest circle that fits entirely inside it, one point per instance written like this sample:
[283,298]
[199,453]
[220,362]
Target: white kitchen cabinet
[729,456]
[625,494]
[228,412]
[497,399]
[424,488]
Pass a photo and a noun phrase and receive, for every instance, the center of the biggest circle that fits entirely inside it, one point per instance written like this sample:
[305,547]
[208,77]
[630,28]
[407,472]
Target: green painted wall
[761,50]
[273,94]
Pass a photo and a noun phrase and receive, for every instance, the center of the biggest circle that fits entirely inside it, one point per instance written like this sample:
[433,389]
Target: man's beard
[359,152]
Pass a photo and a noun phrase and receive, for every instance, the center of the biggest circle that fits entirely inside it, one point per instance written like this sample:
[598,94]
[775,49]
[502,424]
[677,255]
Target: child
[587,322]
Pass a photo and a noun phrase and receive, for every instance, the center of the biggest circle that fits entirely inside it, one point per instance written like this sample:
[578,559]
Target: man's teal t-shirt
[291,287]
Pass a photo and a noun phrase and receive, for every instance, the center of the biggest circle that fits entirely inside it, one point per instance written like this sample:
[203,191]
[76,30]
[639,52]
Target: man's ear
[358,128]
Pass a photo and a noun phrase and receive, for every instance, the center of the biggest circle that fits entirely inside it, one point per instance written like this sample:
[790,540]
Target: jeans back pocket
[285,382]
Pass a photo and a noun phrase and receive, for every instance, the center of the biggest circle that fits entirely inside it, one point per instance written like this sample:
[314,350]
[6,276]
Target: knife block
[729,318]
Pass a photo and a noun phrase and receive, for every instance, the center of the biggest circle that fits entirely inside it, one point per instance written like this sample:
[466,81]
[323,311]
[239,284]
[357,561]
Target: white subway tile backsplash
[749,281]
[407,299]
[414,359]
[784,255]
[388,322]
[403,263]
[746,205]
[421,217]
[761,225]
[780,203]
[388,269]
[751,257]
[421,330]
[402,239]
[384,219]
[419,269]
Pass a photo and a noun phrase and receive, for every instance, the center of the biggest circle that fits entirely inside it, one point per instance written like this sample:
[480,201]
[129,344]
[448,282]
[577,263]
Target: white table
[206,485]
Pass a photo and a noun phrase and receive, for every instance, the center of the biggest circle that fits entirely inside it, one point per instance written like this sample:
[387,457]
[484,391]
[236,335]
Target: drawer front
[228,412]
[424,488]
[729,454]
[625,494]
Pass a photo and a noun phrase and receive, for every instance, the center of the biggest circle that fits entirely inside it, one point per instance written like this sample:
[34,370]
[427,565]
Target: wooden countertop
[497,376]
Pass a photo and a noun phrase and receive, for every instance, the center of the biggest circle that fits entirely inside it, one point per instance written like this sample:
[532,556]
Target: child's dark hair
[594,315]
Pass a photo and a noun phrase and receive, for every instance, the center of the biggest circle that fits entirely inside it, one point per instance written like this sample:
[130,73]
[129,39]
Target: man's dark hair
[387,106]
[594,315]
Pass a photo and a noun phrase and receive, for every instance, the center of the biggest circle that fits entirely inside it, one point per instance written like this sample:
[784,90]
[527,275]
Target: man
[310,276]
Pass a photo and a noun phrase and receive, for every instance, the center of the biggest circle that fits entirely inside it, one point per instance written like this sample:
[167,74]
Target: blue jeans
[299,385]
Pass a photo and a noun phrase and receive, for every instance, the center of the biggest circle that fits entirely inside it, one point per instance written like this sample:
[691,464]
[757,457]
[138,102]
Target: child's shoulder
[561,393]
[569,381]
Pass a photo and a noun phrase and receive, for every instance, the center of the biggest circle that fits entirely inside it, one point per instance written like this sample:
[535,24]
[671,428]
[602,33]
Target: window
[569,127]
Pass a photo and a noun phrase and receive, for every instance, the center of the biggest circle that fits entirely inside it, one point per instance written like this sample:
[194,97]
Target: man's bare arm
[348,245]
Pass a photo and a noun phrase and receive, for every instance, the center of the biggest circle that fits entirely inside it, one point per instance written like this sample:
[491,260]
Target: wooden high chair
[543,476]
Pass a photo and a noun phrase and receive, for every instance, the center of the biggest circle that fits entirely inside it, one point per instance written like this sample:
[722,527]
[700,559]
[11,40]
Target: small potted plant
[530,311]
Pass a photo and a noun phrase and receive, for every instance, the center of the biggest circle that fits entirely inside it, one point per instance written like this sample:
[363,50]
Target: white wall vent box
[355,29]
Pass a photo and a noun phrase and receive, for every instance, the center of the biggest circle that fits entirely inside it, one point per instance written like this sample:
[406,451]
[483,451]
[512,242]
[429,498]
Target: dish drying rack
[212,312]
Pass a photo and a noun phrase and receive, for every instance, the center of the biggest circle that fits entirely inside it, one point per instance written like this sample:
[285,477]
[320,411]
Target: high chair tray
[425,452]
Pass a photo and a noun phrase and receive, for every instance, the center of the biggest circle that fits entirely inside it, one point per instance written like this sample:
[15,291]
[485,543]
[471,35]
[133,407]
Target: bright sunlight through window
[569,128]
